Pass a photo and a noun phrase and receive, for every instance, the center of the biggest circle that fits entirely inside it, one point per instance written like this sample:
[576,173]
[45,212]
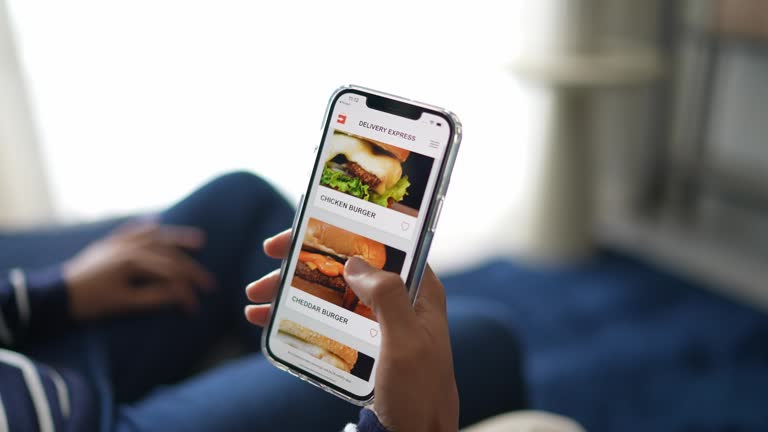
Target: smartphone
[376,190]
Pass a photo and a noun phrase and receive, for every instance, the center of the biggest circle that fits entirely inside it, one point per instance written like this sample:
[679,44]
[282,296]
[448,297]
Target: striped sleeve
[29,404]
[37,397]
[368,423]
[32,305]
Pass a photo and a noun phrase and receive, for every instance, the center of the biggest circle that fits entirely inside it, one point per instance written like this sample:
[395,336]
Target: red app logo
[341,119]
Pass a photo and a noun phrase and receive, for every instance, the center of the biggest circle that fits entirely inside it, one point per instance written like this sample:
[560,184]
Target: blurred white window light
[139,102]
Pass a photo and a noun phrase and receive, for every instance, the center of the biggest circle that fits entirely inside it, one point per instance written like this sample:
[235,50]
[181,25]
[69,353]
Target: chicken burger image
[317,345]
[368,170]
[320,269]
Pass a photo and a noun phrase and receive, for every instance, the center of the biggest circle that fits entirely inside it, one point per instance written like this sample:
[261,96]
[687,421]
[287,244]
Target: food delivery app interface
[372,189]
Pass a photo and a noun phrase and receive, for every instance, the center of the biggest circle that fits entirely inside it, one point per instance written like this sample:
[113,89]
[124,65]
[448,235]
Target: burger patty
[336,283]
[367,178]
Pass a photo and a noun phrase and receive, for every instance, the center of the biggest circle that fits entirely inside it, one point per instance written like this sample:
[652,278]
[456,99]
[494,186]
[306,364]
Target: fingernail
[356,266]
[266,242]
[246,309]
[247,287]
[258,280]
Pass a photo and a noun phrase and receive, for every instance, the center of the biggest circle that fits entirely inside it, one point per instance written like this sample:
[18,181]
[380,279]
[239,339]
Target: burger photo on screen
[368,170]
[318,346]
[320,269]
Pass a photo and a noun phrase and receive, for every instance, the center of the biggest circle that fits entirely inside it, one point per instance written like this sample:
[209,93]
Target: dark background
[363,367]
[417,167]
[395,260]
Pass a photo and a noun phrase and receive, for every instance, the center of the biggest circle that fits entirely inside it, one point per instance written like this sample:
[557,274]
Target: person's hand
[415,384]
[137,267]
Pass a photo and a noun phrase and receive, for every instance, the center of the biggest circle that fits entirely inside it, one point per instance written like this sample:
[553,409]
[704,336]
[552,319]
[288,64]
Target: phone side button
[436,217]
[296,215]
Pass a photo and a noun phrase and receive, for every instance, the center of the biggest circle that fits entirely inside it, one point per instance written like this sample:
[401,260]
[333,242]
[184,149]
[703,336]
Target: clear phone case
[423,245]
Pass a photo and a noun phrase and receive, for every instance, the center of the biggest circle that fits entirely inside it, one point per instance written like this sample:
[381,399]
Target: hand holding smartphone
[415,388]
[373,202]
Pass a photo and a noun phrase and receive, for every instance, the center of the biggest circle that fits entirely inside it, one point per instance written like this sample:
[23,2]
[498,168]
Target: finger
[184,294]
[264,289]
[159,293]
[170,277]
[153,233]
[430,304]
[384,292]
[431,297]
[185,237]
[192,270]
[152,294]
[258,314]
[184,266]
[136,227]
[279,245]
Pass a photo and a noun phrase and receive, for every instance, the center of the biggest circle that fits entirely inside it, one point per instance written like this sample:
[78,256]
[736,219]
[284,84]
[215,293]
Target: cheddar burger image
[317,345]
[320,269]
[368,170]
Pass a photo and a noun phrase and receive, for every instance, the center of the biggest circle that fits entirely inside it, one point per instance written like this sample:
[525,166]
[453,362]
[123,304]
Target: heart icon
[374,333]
[405,226]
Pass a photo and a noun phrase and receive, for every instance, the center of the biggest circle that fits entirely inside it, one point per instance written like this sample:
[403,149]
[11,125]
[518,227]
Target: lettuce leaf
[396,192]
[344,183]
[347,184]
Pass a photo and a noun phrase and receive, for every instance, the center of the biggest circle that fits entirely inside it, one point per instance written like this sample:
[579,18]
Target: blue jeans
[148,365]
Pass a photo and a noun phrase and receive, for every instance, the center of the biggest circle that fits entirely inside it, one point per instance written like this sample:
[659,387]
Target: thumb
[384,292]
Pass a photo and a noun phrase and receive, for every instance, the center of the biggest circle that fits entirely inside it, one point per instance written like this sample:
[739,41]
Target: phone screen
[375,177]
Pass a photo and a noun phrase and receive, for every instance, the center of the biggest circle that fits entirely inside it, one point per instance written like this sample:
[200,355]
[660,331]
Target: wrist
[71,286]
[47,297]
[79,285]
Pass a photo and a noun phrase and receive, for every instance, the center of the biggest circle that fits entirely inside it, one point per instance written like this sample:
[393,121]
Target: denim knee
[239,182]
[486,319]
[488,360]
